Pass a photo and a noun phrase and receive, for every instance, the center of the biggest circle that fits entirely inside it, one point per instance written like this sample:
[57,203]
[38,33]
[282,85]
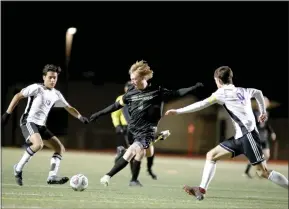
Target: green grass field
[227,190]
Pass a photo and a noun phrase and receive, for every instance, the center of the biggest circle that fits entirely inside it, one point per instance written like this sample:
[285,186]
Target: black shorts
[145,138]
[249,145]
[30,128]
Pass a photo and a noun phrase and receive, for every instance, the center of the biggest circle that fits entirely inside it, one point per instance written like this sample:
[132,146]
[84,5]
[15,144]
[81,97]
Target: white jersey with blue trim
[237,102]
[40,101]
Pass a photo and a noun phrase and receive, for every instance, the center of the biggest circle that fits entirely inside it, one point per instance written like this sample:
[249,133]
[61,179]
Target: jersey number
[241,98]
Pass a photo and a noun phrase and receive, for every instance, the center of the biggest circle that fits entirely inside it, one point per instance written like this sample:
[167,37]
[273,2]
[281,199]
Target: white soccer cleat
[165,134]
[105,180]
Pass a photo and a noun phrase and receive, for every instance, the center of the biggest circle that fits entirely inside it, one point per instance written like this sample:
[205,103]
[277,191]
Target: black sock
[131,166]
[150,162]
[248,168]
[135,170]
[120,164]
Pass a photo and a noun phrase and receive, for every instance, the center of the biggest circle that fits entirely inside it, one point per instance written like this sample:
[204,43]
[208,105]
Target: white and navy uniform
[237,102]
[40,102]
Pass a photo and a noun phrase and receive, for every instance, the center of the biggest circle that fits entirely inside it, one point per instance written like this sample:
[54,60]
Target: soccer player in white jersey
[41,98]
[237,102]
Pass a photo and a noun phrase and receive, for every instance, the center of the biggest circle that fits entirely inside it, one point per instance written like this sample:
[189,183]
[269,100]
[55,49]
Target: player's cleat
[57,180]
[119,153]
[163,135]
[195,191]
[105,180]
[135,184]
[18,176]
[154,176]
[247,175]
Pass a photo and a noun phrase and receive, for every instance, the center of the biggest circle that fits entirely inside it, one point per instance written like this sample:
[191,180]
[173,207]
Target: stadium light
[71,31]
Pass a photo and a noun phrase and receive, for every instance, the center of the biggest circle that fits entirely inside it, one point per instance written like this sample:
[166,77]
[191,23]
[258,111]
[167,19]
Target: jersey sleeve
[123,100]
[61,102]
[115,116]
[30,90]
[217,97]
[258,95]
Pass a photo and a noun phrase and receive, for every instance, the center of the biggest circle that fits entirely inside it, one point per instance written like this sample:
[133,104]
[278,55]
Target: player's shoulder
[57,92]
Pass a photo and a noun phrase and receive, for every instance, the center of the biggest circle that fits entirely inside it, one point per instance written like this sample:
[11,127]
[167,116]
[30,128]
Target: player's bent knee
[210,155]
[139,156]
[132,151]
[37,143]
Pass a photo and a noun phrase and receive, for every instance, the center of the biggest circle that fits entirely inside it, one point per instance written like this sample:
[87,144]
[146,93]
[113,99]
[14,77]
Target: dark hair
[225,74]
[51,68]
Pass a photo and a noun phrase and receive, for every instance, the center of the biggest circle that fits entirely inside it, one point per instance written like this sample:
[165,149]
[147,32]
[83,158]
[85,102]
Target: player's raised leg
[212,157]
[271,175]
[30,132]
[58,148]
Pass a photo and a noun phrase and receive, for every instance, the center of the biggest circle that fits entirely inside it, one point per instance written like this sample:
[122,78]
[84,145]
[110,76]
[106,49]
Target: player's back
[237,102]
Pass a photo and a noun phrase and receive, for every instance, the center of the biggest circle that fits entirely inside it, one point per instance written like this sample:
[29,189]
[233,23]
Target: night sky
[184,42]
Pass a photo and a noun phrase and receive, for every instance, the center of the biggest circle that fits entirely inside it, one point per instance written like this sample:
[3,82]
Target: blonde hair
[142,68]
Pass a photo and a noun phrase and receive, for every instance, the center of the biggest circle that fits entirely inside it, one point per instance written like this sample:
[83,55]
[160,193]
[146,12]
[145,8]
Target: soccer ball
[79,182]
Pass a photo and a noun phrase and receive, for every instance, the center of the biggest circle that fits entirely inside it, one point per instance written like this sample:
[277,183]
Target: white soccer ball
[79,182]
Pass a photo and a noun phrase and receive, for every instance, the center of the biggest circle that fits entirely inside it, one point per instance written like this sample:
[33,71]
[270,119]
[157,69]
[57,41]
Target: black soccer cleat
[57,180]
[135,184]
[18,176]
[154,176]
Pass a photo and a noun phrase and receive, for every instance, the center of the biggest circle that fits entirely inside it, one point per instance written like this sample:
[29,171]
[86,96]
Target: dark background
[182,41]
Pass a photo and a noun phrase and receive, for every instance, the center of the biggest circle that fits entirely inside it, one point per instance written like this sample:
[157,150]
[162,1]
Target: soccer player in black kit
[144,104]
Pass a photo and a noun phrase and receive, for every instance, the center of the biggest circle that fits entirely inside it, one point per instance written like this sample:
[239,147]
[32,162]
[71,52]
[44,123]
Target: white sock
[208,173]
[28,153]
[54,164]
[278,179]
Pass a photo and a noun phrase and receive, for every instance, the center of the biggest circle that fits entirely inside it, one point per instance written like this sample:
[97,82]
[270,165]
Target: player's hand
[93,117]
[199,84]
[119,129]
[262,118]
[171,112]
[273,136]
[84,120]
[5,118]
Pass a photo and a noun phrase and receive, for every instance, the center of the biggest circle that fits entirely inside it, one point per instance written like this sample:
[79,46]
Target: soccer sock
[131,166]
[118,166]
[150,162]
[135,170]
[278,179]
[25,158]
[248,168]
[208,173]
[54,164]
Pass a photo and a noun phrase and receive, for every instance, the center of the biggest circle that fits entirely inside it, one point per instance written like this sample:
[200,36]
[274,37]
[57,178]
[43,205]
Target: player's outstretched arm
[109,109]
[5,117]
[184,91]
[168,95]
[72,111]
[193,107]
